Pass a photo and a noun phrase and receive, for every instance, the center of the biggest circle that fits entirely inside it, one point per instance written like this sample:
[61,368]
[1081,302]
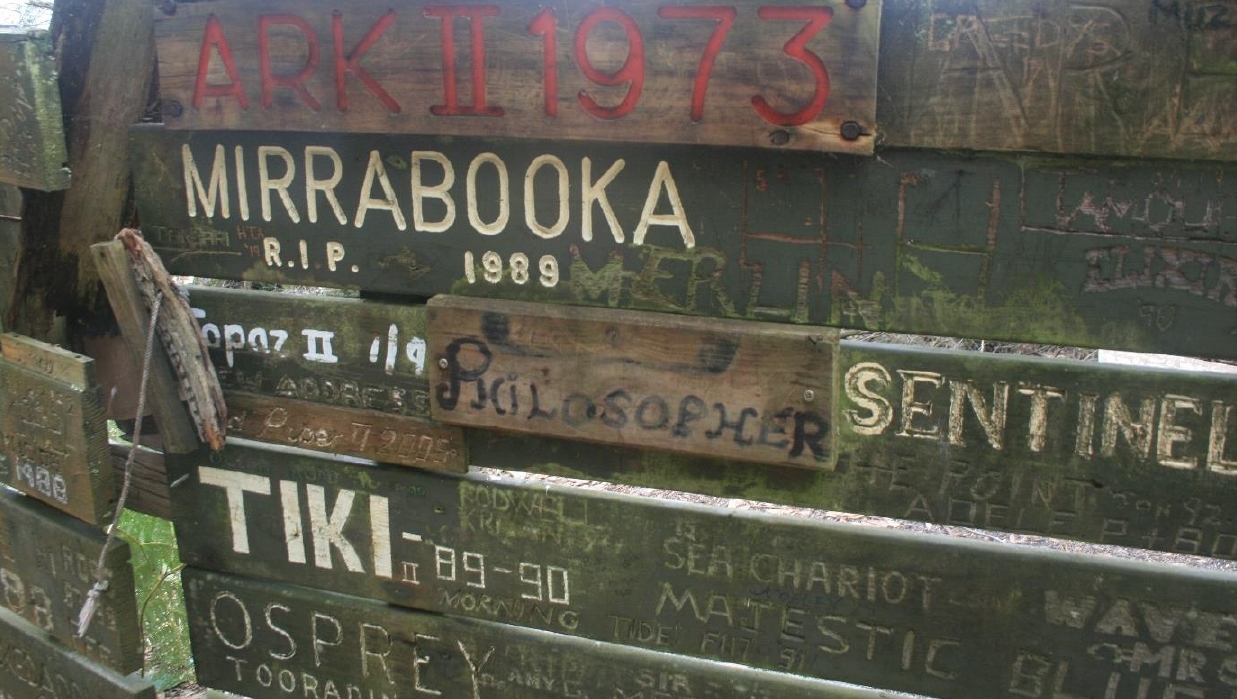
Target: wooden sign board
[339,375]
[728,389]
[32,664]
[47,565]
[895,610]
[32,152]
[1144,79]
[796,76]
[54,428]
[1074,450]
[1135,257]
[263,640]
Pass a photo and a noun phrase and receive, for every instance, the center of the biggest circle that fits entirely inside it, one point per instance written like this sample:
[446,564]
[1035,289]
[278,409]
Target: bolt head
[851,130]
[809,395]
[443,363]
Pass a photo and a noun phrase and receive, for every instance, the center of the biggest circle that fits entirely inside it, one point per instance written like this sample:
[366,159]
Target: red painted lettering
[475,14]
[631,73]
[213,38]
[352,63]
[724,16]
[817,18]
[544,26]
[295,82]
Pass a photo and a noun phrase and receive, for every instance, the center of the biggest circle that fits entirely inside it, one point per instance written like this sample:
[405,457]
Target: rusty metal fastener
[851,130]
[172,108]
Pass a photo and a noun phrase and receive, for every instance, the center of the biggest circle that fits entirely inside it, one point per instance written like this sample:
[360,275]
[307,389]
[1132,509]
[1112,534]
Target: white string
[86,614]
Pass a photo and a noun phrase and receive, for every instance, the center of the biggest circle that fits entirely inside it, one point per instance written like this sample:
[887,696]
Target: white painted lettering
[235,485]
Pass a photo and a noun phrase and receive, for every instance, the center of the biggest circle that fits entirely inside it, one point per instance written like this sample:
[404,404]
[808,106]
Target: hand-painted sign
[1133,257]
[796,75]
[1153,78]
[54,428]
[886,609]
[274,641]
[727,389]
[32,664]
[1074,450]
[32,152]
[47,565]
[330,374]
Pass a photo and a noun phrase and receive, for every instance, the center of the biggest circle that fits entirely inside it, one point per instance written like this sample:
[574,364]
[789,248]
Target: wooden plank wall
[1032,171]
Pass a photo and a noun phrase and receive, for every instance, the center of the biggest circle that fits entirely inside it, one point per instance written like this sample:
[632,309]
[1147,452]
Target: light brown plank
[739,390]
[503,93]
[148,489]
[369,434]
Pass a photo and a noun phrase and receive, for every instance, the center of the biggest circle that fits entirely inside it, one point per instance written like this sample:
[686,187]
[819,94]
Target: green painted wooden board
[32,664]
[264,640]
[1114,455]
[1139,78]
[54,428]
[1129,256]
[722,388]
[47,565]
[649,71]
[332,374]
[895,610]
[32,152]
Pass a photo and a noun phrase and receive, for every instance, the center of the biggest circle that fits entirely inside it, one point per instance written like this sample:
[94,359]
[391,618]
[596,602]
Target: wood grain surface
[728,389]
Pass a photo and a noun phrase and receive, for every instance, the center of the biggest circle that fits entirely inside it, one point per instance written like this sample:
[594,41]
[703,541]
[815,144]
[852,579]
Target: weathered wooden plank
[148,489]
[728,389]
[47,565]
[331,374]
[10,247]
[368,434]
[54,429]
[163,393]
[1127,256]
[1075,450]
[1120,77]
[32,152]
[32,664]
[800,76]
[265,640]
[896,610]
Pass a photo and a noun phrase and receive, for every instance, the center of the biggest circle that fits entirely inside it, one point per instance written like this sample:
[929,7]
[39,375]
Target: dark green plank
[1151,470]
[949,618]
[47,565]
[32,152]
[264,640]
[1071,252]
[331,374]
[54,428]
[32,664]
[1143,78]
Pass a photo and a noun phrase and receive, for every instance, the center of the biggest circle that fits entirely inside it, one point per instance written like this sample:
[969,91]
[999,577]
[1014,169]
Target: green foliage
[160,600]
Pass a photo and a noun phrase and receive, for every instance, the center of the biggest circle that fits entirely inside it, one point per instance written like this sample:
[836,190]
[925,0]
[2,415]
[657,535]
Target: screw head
[809,395]
[856,4]
[172,108]
[780,137]
[851,130]
[443,363]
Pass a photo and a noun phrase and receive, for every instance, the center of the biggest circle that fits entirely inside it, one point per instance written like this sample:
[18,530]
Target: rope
[86,614]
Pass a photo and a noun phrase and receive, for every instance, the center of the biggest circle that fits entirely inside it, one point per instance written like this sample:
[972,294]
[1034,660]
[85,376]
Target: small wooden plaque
[369,434]
[32,152]
[54,428]
[47,565]
[37,666]
[729,389]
